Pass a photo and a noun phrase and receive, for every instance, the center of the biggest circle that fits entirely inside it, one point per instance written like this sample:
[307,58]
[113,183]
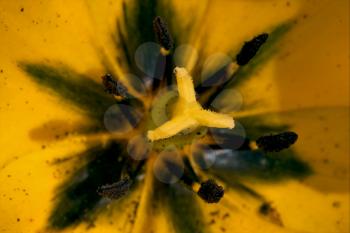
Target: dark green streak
[75,88]
[77,199]
[138,16]
[136,28]
[238,186]
[256,164]
[182,207]
[79,90]
[123,44]
[266,52]
[260,125]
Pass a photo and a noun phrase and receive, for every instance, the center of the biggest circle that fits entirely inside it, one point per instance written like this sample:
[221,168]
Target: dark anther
[210,191]
[162,33]
[115,190]
[277,142]
[250,48]
[113,87]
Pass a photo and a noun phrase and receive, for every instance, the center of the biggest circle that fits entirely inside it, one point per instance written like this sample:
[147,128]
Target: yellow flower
[74,158]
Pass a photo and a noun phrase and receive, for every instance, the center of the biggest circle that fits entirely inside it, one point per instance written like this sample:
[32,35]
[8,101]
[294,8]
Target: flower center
[188,114]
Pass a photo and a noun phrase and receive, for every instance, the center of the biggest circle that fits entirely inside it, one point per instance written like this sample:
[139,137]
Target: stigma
[188,114]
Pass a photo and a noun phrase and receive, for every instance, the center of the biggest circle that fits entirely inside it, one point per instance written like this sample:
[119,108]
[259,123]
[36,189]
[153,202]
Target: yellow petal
[310,69]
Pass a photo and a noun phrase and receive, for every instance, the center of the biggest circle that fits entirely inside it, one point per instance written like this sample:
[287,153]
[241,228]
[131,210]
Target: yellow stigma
[188,113]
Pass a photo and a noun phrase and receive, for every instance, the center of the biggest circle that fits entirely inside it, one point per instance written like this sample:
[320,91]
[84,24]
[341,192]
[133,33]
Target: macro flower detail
[277,142]
[162,33]
[189,113]
[210,191]
[170,116]
[116,190]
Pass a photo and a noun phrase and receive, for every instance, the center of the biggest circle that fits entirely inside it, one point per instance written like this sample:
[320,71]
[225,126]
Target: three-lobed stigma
[188,113]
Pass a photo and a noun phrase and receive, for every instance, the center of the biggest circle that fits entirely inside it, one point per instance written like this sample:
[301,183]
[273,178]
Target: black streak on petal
[182,207]
[259,165]
[114,87]
[136,28]
[75,88]
[77,199]
[245,72]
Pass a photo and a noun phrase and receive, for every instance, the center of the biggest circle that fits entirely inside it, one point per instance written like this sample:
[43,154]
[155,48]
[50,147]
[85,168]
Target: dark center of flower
[175,116]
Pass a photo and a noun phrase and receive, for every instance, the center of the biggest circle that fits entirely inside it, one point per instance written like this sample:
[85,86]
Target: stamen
[210,191]
[250,49]
[278,142]
[115,190]
[162,33]
[190,177]
[113,87]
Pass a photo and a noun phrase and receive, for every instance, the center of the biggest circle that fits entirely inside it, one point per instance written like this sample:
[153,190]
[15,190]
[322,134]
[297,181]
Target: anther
[113,87]
[162,33]
[115,190]
[210,191]
[277,142]
[250,48]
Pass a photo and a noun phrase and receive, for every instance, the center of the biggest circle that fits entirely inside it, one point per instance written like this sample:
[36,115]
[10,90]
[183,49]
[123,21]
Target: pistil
[188,113]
